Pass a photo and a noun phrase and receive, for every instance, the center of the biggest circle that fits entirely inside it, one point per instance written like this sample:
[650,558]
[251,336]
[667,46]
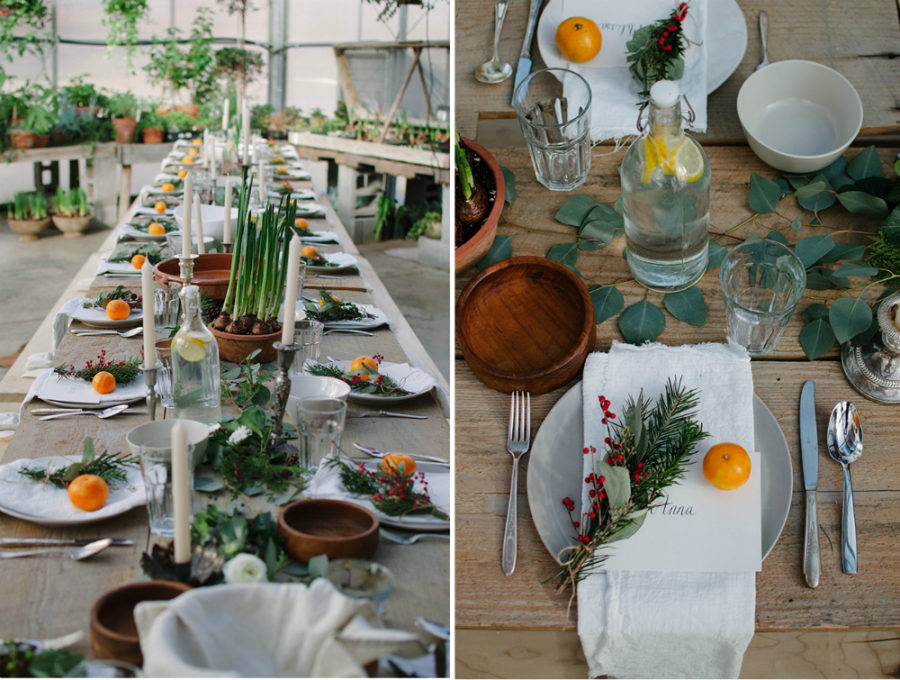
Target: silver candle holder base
[186,268]
[282,388]
[874,369]
[152,394]
[227,246]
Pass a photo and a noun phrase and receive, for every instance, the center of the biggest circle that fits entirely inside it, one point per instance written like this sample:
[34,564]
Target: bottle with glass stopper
[665,194]
[195,364]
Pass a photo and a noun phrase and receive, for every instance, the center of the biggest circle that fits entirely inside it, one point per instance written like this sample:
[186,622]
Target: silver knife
[416,456]
[809,456]
[61,541]
[523,68]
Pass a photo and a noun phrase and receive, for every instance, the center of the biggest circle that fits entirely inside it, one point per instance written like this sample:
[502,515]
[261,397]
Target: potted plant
[123,107]
[71,215]
[121,18]
[27,215]
[480,192]
[152,127]
[20,137]
[39,120]
[84,96]
[179,125]
[238,65]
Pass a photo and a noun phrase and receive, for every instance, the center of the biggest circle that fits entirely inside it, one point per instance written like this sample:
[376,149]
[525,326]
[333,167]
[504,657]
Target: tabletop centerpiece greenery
[656,51]
[120,293]
[363,376]
[332,308]
[19,659]
[108,466]
[151,251]
[123,371]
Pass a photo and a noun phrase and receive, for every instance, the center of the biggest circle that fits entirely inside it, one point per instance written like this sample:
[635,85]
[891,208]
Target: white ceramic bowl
[213,220]
[305,385]
[799,116]
[158,433]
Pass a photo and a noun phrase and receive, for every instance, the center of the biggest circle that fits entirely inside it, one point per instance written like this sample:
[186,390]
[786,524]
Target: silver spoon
[763,31]
[495,71]
[82,553]
[845,444]
[125,334]
[105,413]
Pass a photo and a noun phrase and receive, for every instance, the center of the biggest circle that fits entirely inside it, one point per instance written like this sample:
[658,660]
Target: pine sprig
[331,308]
[109,466]
[363,380]
[151,251]
[120,293]
[656,51]
[123,371]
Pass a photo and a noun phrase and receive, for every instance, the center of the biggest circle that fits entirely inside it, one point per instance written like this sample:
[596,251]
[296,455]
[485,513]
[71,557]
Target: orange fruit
[160,206]
[300,223]
[578,39]
[278,159]
[309,251]
[366,364]
[182,174]
[117,310]
[88,492]
[192,152]
[197,142]
[167,187]
[156,229]
[282,169]
[726,466]
[104,382]
[391,464]
[322,300]
[138,261]
[187,160]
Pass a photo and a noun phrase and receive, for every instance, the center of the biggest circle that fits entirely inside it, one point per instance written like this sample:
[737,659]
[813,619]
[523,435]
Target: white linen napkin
[284,630]
[51,386]
[615,100]
[644,624]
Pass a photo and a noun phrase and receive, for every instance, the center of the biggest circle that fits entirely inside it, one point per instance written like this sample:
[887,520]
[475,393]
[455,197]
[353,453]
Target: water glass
[156,469]
[556,127]
[362,580]
[307,334]
[165,307]
[164,373]
[320,424]
[762,282]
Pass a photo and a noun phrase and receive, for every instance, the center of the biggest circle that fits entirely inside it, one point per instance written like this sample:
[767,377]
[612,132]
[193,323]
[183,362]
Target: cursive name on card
[667,508]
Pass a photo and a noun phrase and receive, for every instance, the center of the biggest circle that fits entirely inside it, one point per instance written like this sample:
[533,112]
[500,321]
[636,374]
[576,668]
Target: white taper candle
[225,113]
[290,291]
[148,316]
[186,218]
[181,493]
[201,246]
[226,237]
[245,132]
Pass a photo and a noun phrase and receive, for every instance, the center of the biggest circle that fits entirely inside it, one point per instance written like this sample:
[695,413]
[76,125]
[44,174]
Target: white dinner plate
[55,390]
[97,318]
[321,237]
[344,262]
[416,381]
[296,194]
[726,34]
[43,503]
[438,478]
[378,319]
[555,471]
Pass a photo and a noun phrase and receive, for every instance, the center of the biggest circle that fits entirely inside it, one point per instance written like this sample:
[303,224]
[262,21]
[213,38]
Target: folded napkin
[645,624]
[9,421]
[282,630]
[53,387]
[615,99]
[62,320]
[311,209]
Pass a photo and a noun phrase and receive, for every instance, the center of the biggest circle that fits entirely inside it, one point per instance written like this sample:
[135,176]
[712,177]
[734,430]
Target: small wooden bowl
[211,273]
[335,528]
[235,348]
[113,630]
[526,323]
[475,248]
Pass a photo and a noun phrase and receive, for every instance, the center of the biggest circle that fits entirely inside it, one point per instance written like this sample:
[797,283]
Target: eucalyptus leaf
[509,179]
[687,305]
[600,232]
[778,237]
[619,205]
[564,253]
[815,311]
[575,210]
[797,181]
[876,186]
[764,194]
[818,279]
[854,269]
[810,250]
[860,203]
[207,484]
[816,338]
[796,225]
[844,251]
[867,163]
[716,253]
[608,302]
[501,249]
[676,69]
[606,214]
[849,316]
[318,566]
[88,452]
[641,322]
[616,483]
[630,529]
[834,169]
[837,281]
[816,200]
[811,189]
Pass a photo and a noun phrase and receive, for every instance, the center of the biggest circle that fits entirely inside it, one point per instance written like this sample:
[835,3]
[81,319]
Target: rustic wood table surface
[51,596]
[515,626]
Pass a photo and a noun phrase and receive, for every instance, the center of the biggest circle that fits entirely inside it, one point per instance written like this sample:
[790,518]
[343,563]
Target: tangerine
[726,466]
[88,492]
[392,463]
[366,364]
[578,39]
[160,206]
[117,310]
[138,261]
[309,251]
[282,169]
[182,174]
[197,142]
[192,151]
[104,382]
[187,160]
[167,187]
[156,229]
[300,223]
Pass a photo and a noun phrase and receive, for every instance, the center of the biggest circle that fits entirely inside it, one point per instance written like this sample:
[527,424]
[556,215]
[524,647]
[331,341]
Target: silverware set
[385,414]
[107,412]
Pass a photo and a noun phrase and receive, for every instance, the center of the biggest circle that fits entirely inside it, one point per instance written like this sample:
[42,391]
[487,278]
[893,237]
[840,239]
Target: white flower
[239,435]
[245,568]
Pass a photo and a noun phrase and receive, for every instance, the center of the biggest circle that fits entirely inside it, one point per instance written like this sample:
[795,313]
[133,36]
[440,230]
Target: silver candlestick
[227,246]
[874,369]
[283,361]
[152,395]
[186,268]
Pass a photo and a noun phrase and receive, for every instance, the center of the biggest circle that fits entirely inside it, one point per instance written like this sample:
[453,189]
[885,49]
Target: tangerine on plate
[365,363]
[160,206]
[104,382]
[726,466]
[192,152]
[282,169]
[300,223]
[182,174]
[117,310]
[391,464]
[167,187]
[309,251]
[156,229]
[187,159]
[578,39]
[197,142]
[138,261]
[88,492]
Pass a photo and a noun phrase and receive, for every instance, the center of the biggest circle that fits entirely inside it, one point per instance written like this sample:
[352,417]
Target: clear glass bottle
[195,364]
[665,193]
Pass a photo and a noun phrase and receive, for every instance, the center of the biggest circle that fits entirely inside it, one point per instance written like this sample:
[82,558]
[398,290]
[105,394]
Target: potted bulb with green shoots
[71,215]
[27,215]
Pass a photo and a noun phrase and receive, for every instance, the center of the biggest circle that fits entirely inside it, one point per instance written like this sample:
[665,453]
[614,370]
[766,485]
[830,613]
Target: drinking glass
[320,424]
[762,282]
[556,127]
[164,373]
[362,580]
[165,307]
[156,469]
[307,334]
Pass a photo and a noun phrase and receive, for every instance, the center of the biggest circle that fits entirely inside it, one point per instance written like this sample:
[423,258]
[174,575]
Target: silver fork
[518,441]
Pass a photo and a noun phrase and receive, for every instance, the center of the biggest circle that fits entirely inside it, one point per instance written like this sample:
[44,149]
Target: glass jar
[195,364]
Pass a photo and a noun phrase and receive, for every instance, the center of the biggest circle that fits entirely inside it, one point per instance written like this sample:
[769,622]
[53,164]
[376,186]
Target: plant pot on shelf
[236,348]
[72,226]
[21,139]
[124,130]
[28,229]
[480,242]
[152,135]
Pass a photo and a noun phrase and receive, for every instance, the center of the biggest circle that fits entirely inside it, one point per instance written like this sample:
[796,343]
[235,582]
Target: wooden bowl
[335,528]
[113,630]
[526,323]
[235,348]
[211,273]
[475,248]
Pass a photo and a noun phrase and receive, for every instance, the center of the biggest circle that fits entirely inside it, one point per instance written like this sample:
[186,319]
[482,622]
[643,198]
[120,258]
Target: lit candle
[181,494]
[201,246]
[290,292]
[186,218]
[149,321]
[225,114]
[245,132]
[226,236]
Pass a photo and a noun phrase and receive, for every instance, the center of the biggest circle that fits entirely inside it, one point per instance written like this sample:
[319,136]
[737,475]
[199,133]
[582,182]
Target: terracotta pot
[211,273]
[193,110]
[152,135]
[235,348]
[21,139]
[40,141]
[475,248]
[72,227]
[57,138]
[28,229]
[124,130]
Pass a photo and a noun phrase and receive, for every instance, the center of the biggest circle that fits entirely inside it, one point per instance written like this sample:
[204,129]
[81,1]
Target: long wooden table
[515,627]
[47,597]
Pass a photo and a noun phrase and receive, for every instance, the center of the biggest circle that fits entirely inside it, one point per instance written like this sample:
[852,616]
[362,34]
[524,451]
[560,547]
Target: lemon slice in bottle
[690,157]
[651,160]
[190,347]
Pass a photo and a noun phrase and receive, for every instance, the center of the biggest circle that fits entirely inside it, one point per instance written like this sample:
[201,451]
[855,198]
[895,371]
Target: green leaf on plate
[575,210]
[642,322]
[812,249]
[849,316]
[717,253]
[608,302]
[616,483]
[867,163]
[860,203]
[764,194]
[816,338]
[501,249]
[509,179]
[687,305]
[564,253]
[637,521]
